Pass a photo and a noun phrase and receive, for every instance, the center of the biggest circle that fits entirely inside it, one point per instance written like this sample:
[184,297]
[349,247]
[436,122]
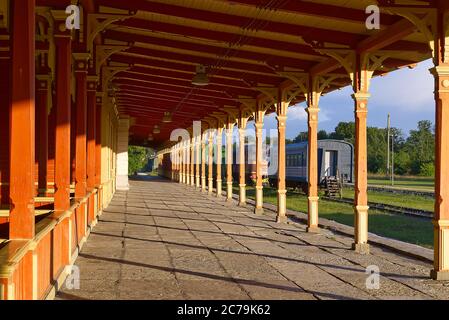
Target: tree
[421,146]
[344,131]
[322,135]
[301,137]
[137,159]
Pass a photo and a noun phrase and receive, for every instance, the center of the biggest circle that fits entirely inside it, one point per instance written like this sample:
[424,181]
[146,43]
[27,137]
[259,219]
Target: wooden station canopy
[153,49]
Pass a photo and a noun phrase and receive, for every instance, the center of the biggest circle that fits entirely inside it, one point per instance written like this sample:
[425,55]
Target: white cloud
[408,90]
[298,112]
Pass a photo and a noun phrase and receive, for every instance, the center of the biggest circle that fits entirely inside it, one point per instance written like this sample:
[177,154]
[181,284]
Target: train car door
[330,163]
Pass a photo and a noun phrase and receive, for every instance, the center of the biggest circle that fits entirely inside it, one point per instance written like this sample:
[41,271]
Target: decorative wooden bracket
[99,22]
[365,63]
[233,114]
[269,99]
[221,119]
[109,72]
[103,52]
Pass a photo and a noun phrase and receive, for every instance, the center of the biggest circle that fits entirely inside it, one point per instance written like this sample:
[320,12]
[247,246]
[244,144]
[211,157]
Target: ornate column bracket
[108,74]
[248,104]
[103,52]
[98,22]
[425,20]
[360,67]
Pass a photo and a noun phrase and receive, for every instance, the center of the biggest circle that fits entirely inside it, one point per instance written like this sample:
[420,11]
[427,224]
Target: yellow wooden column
[313,110]
[441,219]
[184,163]
[281,110]
[203,162]
[219,155]
[259,116]
[192,161]
[229,159]
[188,173]
[211,162]
[441,216]
[181,163]
[198,161]
[242,122]
[361,97]
[177,162]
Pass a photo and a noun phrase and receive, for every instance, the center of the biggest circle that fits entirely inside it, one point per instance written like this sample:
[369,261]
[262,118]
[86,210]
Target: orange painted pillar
[203,162]
[187,162]
[259,146]
[5,70]
[361,171]
[63,118]
[242,174]
[229,160]
[198,160]
[441,216]
[192,161]
[91,124]
[42,96]
[210,163]
[22,116]
[98,146]
[313,112]
[80,61]
[282,190]
[219,155]
[181,169]
[91,131]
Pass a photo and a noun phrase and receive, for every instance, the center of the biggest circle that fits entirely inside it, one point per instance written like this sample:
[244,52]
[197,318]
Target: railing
[35,269]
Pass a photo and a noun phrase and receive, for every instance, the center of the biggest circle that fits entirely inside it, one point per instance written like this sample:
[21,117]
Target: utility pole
[392,160]
[388,145]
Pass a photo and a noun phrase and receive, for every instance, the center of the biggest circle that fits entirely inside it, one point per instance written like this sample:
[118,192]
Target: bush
[137,159]
[427,169]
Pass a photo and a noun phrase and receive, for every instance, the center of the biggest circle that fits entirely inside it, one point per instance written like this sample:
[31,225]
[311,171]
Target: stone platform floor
[163,240]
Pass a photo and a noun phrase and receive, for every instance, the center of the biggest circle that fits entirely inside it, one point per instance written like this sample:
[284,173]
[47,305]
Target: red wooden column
[42,92]
[22,118]
[81,60]
[98,108]
[5,71]
[441,217]
[91,131]
[81,63]
[63,113]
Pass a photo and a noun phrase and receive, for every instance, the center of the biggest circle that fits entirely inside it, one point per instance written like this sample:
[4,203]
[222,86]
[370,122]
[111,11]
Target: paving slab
[164,240]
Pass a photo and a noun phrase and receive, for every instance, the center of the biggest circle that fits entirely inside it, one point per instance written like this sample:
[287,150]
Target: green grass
[405,201]
[404,228]
[412,183]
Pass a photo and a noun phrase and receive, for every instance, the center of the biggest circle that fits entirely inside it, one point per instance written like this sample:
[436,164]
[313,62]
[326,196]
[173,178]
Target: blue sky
[406,94]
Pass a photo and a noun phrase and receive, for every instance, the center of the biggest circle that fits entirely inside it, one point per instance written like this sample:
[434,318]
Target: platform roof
[243,43]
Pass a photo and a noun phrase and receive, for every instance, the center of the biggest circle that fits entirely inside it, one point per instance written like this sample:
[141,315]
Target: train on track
[335,160]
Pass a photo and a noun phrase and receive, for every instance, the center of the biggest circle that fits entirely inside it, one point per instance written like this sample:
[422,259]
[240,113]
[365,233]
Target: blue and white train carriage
[335,159]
